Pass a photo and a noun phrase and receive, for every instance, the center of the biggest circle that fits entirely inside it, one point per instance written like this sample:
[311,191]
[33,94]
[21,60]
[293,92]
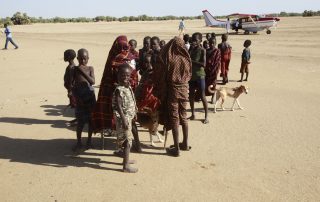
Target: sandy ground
[270,151]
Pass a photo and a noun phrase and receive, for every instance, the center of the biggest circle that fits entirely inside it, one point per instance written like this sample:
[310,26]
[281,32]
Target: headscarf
[102,116]
[171,75]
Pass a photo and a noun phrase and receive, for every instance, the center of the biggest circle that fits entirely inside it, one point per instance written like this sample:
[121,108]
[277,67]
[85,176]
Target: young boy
[8,38]
[69,56]
[133,46]
[246,55]
[162,43]
[146,49]
[68,78]
[124,110]
[186,39]
[134,63]
[155,46]
[85,97]
[225,50]
[205,44]
[197,82]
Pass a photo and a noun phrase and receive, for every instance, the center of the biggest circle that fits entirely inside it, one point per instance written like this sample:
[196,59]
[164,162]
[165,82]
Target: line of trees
[310,13]
[22,18]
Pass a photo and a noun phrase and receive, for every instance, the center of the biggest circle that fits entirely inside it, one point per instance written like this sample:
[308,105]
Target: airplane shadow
[55,153]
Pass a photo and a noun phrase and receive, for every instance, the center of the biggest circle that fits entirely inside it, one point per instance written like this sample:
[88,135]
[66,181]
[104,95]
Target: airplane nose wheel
[268,31]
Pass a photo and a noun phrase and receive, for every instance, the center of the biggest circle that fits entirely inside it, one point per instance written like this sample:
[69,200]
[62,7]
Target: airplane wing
[241,15]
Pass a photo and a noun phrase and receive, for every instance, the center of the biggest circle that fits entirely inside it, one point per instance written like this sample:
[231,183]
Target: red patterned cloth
[212,68]
[225,50]
[171,75]
[102,116]
[144,94]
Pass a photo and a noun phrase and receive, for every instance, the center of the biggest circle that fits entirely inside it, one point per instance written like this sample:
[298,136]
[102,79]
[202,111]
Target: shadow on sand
[50,110]
[55,153]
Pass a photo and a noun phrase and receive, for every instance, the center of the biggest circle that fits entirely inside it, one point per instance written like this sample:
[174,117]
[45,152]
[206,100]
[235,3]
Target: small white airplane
[247,22]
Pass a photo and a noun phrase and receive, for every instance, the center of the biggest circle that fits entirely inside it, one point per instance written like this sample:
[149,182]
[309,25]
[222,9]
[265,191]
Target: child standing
[245,61]
[225,50]
[85,97]
[68,78]
[124,110]
[146,49]
[197,82]
[69,56]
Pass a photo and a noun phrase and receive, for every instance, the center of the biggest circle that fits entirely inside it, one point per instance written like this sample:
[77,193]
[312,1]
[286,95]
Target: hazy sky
[119,8]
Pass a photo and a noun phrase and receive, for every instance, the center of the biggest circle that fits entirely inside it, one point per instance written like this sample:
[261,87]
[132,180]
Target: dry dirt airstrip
[270,151]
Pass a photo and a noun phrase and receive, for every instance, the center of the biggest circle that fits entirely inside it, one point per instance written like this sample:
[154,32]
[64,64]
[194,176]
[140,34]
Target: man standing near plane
[228,25]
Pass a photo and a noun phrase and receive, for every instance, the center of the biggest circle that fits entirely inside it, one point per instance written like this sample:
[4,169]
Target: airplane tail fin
[211,21]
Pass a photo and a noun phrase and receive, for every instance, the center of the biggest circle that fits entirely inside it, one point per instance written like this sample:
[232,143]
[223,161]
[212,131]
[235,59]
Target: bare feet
[182,147]
[128,169]
[119,153]
[137,148]
[173,152]
[192,117]
[205,121]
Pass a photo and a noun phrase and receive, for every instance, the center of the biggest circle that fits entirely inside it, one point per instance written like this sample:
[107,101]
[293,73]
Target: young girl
[124,110]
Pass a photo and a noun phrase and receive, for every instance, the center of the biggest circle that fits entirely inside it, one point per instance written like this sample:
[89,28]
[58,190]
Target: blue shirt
[246,55]
[8,32]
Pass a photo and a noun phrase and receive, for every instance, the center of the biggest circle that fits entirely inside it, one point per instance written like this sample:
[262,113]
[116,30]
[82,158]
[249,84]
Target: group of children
[207,62]
[172,74]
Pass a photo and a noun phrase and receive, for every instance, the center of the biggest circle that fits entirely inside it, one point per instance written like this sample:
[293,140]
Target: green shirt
[197,69]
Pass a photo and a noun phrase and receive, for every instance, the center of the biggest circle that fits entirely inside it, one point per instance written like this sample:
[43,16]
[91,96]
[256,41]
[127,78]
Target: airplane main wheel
[246,32]
[268,31]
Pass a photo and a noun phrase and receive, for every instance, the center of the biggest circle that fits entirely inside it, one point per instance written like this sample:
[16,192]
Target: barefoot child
[124,110]
[225,50]
[147,103]
[69,56]
[246,55]
[197,82]
[85,97]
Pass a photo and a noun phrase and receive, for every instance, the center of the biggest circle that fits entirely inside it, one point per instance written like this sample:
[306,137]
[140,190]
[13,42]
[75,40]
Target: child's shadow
[55,153]
[30,121]
[58,110]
